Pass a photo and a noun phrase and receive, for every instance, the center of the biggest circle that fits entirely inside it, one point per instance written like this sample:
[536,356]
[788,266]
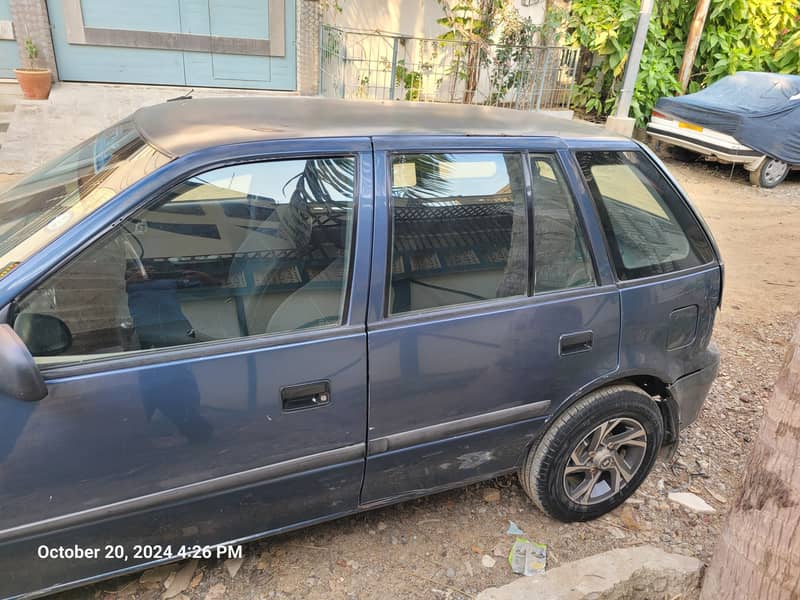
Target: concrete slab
[621,574]
[42,129]
[559,113]
[10,94]
[6,181]
[621,125]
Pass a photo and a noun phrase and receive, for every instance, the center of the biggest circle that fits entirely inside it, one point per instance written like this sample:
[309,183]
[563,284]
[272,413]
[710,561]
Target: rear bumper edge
[722,153]
[690,391]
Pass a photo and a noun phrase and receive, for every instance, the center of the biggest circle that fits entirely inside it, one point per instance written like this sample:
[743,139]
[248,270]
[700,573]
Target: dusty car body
[225,319]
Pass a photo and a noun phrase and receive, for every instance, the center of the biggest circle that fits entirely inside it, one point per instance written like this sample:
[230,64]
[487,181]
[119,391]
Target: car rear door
[668,269]
[215,386]
[472,345]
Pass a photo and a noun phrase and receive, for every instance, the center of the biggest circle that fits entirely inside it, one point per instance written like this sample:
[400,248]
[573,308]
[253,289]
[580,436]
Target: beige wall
[410,17]
[535,11]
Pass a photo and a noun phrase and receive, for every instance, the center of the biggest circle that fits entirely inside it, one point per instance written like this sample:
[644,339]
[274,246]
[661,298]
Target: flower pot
[35,83]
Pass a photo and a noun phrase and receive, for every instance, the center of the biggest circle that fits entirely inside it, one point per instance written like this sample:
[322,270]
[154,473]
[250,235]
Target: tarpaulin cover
[760,110]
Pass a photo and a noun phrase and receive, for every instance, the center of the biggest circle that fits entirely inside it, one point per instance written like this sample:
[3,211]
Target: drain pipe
[621,122]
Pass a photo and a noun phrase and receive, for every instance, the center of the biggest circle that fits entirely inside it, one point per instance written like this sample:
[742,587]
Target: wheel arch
[652,384]
[637,393]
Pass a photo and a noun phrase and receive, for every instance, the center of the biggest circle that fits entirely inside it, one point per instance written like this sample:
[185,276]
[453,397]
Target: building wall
[9,58]
[534,9]
[31,20]
[410,17]
[309,21]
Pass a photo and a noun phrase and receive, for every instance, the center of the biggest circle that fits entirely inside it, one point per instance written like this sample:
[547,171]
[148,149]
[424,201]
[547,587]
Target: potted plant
[35,82]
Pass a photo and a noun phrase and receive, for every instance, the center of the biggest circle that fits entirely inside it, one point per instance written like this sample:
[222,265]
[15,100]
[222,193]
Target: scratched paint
[472,460]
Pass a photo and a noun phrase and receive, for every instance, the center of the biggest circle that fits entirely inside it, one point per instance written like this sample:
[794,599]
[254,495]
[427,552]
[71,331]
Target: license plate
[692,126]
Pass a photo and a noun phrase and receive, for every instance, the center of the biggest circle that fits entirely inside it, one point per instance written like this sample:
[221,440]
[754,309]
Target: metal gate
[217,43]
[391,66]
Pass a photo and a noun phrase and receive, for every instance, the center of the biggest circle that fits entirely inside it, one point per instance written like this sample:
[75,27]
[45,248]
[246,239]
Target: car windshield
[63,192]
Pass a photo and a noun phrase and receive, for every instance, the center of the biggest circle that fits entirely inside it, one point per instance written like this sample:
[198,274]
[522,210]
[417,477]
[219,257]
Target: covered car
[749,118]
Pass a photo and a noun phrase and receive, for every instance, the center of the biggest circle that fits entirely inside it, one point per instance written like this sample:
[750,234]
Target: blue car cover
[760,110]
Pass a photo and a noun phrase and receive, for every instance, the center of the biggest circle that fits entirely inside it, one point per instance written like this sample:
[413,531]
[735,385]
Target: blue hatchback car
[224,319]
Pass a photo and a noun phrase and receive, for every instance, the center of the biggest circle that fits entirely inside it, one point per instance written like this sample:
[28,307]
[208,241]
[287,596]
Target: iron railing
[390,66]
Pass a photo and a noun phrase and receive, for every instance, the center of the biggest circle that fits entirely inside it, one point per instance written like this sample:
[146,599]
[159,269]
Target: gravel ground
[437,547]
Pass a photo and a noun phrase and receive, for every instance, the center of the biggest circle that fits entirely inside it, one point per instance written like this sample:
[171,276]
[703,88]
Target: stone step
[3,130]
[5,121]
[10,94]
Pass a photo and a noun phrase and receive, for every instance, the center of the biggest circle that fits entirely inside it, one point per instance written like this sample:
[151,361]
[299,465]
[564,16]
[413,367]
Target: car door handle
[573,343]
[306,395]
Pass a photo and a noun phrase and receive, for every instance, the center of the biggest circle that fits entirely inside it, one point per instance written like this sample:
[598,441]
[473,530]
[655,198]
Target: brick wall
[31,20]
[309,21]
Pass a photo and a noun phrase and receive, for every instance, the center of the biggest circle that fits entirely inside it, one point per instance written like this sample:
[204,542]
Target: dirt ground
[434,547]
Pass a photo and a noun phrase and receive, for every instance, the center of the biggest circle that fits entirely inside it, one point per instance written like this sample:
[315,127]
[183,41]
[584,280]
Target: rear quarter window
[649,227]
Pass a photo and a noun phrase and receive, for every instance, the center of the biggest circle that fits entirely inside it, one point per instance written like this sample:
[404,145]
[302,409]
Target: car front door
[212,386]
[472,344]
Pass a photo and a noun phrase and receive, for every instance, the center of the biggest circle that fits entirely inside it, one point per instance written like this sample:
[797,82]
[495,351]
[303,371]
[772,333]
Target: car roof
[184,126]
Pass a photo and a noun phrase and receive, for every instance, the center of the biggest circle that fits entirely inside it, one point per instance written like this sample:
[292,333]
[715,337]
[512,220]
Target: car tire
[770,173]
[560,469]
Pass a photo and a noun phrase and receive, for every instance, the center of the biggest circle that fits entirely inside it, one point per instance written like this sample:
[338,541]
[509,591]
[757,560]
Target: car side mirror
[19,376]
[44,335]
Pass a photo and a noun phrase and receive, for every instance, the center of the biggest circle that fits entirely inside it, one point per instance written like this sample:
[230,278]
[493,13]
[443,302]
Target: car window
[243,250]
[561,259]
[63,192]
[649,227]
[459,229]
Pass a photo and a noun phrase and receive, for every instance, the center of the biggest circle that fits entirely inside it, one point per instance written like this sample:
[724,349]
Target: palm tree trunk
[758,554]
[473,71]
[480,36]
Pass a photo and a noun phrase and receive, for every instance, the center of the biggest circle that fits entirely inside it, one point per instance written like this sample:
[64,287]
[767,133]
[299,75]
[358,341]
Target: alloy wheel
[605,460]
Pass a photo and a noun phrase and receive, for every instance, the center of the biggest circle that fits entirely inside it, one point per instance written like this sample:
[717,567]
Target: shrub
[740,35]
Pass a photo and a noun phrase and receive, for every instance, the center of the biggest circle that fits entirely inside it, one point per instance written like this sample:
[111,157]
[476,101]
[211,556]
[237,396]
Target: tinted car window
[649,227]
[459,229]
[561,258]
[242,250]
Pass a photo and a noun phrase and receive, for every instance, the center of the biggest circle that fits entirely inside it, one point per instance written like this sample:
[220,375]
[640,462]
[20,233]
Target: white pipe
[634,59]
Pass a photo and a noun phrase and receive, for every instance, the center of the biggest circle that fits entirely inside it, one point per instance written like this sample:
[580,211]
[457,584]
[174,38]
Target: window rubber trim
[202,350]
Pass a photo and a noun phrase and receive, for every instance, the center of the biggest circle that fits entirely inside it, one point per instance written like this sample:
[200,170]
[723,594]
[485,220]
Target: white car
[764,171]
